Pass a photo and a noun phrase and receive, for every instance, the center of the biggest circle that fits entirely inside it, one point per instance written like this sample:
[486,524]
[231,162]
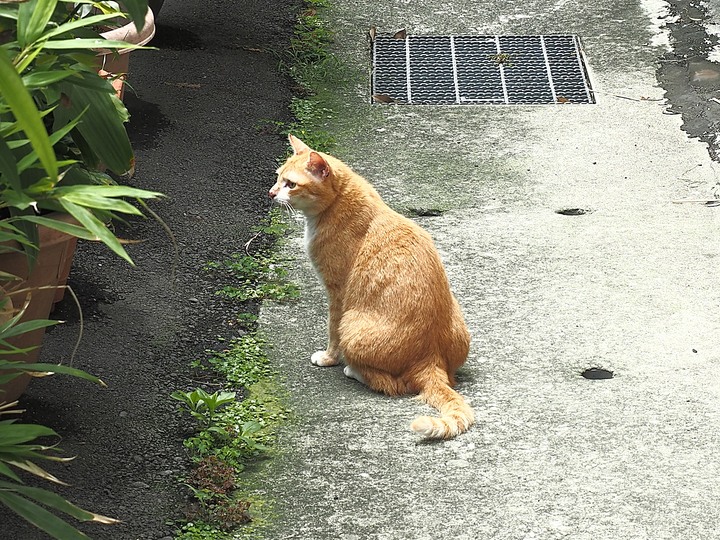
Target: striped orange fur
[393,319]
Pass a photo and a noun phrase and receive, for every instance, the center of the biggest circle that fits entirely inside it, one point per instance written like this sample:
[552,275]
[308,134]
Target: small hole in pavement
[425,212]
[573,211]
[595,373]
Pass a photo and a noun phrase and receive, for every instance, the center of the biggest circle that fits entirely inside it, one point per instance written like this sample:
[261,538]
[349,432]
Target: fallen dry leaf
[382,98]
[400,34]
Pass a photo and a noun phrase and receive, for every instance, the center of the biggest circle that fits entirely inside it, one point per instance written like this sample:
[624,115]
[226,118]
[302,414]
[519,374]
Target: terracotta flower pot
[50,271]
[115,65]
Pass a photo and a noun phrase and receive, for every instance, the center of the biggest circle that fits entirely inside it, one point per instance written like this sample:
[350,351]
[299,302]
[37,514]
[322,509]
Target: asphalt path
[196,104]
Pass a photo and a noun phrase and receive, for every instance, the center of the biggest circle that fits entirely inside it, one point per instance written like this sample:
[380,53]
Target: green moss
[315,70]
[244,432]
[241,433]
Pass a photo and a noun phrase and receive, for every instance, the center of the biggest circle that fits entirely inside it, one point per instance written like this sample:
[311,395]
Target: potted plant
[114,64]
[61,136]
[20,450]
[61,132]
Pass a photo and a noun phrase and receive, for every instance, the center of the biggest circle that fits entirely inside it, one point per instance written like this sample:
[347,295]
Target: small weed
[314,68]
[247,321]
[197,530]
[213,476]
[201,405]
[231,514]
[260,277]
[273,225]
[245,362]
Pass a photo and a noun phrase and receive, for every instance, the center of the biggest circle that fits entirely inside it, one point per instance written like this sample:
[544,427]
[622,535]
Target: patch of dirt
[195,115]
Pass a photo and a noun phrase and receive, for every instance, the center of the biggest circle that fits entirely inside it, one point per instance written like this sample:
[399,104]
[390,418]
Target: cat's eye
[291,185]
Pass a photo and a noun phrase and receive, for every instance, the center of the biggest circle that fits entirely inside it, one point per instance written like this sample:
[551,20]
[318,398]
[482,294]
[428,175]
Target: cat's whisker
[290,210]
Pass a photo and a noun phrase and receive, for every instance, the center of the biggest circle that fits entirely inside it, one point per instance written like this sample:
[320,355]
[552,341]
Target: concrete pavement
[630,286]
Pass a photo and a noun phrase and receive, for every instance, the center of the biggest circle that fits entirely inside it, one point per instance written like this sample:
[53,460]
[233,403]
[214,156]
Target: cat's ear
[298,146]
[317,166]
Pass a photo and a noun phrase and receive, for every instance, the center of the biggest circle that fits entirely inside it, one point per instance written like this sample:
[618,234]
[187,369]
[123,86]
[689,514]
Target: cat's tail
[456,416]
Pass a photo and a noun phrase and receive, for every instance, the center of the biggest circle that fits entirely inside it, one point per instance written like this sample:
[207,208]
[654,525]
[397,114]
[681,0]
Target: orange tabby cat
[392,317]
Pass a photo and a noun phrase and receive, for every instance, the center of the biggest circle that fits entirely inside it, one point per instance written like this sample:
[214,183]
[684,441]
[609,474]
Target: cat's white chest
[310,230]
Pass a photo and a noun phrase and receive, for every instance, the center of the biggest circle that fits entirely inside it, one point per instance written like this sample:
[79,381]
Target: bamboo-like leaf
[40,518]
[27,326]
[38,79]
[11,128]
[95,226]
[82,22]
[7,471]
[25,60]
[9,12]
[8,167]
[56,502]
[30,231]
[57,368]
[9,348]
[102,203]
[93,81]
[18,199]
[35,469]
[56,135]
[137,9]
[58,225]
[90,43]
[33,17]
[110,191]
[18,143]
[102,127]
[11,434]
[27,115]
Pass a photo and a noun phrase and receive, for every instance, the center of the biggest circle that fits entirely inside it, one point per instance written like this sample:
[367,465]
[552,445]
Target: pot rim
[130,34]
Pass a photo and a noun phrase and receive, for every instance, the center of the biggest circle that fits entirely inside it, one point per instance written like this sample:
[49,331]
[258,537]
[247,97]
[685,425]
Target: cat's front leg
[324,359]
[331,355]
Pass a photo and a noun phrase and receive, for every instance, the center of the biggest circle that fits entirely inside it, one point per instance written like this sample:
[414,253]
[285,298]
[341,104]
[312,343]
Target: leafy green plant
[199,530]
[62,134]
[247,321]
[244,362]
[230,514]
[260,277]
[214,476]
[201,405]
[61,126]
[19,450]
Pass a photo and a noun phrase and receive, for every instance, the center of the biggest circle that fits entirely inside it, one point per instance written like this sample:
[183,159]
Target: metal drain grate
[460,70]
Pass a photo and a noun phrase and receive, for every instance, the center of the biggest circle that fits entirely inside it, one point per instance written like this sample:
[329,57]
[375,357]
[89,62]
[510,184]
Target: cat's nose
[272,193]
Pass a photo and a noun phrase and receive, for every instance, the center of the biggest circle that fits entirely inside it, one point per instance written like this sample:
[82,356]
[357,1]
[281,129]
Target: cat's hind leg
[353,374]
[378,380]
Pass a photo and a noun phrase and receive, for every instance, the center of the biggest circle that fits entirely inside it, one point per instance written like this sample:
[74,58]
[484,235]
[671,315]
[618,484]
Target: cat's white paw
[351,373]
[321,358]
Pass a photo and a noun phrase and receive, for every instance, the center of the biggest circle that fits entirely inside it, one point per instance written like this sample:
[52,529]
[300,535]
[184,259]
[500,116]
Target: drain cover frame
[480,70]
